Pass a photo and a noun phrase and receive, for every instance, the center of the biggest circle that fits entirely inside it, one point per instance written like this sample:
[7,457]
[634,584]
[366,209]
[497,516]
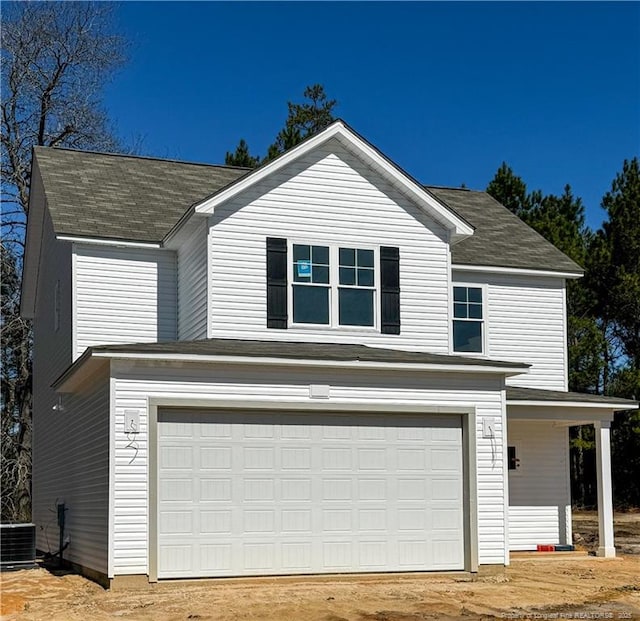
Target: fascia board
[573,404]
[72,376]
[495,269]
[356,145]
[299,362]
[107,241]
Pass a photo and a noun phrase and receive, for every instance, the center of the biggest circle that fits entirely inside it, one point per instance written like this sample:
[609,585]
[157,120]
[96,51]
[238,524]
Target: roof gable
[120,198]
[364,151]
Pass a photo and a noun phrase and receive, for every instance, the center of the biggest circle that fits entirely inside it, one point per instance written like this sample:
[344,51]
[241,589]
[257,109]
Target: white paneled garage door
[270,493]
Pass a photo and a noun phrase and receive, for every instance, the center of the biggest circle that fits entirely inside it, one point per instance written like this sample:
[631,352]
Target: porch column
[605,496]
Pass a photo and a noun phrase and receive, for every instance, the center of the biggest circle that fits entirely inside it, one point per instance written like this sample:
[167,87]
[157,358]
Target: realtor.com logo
[566,615]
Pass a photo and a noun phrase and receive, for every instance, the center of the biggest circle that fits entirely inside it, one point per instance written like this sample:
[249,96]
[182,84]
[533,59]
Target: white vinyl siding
[134,384]
[123,295]
[192,286]
[51,356]
[525,322]
[539,494]
[328,197]
[52,342]
[71,464]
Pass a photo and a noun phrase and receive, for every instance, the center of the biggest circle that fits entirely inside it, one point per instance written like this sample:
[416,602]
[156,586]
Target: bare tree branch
[56,58]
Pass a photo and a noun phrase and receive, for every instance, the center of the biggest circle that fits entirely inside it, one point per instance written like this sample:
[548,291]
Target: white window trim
[485,320]
[334,279]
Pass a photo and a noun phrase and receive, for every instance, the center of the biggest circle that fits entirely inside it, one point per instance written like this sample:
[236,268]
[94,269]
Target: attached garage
[264,492]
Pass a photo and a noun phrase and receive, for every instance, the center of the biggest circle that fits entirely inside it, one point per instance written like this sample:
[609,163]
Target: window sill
[345,329]
[470,354]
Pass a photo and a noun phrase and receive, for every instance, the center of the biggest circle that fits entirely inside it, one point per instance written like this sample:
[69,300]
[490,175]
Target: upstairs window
[468,321]
[311,284]
[357,287]
[333,286]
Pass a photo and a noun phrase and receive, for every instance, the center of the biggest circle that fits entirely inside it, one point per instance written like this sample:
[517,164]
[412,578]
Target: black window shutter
[276,283]
[390,290]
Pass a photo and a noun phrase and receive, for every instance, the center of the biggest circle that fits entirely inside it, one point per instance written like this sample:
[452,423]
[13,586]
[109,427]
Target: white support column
[605,496]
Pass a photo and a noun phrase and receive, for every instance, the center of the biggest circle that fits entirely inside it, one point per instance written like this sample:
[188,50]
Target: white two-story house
[316,366]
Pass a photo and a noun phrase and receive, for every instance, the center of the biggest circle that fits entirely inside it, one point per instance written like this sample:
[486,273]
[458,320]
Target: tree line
[603,310]
[56,59]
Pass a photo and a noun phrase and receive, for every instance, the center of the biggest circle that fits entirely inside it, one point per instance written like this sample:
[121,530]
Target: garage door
[270,493]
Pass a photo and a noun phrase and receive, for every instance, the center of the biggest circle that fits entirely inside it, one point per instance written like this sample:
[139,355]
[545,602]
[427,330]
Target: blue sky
[447,90]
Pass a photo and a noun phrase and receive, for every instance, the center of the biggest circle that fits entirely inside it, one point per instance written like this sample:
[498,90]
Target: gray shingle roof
[302,351]
[123,197]
[243,348]
[135,198]
[501,239]
[537,394]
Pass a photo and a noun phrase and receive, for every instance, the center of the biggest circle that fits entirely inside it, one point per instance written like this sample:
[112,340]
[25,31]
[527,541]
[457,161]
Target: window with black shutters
[332,285]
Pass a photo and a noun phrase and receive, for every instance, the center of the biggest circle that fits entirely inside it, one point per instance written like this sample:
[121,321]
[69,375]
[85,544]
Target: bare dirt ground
[544,588]
[627,531]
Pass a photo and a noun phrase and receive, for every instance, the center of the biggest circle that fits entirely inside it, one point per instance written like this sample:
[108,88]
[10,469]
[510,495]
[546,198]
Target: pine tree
[304,119]
[241,156]
[622,234]
[509,190]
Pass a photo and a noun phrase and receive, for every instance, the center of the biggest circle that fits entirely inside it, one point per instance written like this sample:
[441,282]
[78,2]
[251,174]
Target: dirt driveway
[567,587]
[586,588]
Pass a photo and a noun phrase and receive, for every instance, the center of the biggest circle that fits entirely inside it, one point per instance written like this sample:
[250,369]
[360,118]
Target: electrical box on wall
[131,421]
[488,427]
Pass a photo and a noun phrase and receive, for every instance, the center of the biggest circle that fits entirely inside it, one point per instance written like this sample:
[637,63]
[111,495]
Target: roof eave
[499,269]
[602,405]
[106,241]
[69,380]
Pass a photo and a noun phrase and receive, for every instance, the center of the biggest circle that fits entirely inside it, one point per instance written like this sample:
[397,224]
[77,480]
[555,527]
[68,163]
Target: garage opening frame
[469,468]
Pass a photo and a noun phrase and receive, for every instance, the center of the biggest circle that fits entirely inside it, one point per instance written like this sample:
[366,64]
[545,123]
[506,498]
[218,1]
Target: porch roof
[517,395]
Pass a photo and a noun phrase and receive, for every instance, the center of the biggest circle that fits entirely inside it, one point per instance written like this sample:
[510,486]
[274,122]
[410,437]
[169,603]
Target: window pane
[475,311]
[460,311]
[301,253]
[347,276]
[467,336]
[321,255]
[310,304]
[475,295]
[347,256]
[321,274]
[356,307]
[365,258]
[459,294]
[365,278]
